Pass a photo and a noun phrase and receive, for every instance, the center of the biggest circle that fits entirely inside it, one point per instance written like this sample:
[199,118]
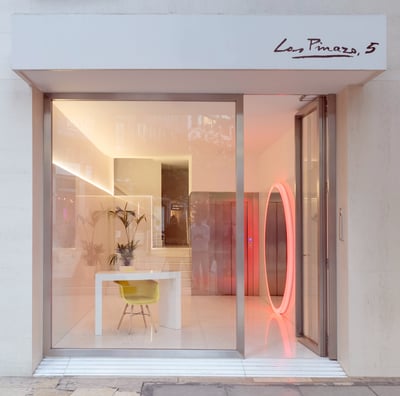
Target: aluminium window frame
[48,350]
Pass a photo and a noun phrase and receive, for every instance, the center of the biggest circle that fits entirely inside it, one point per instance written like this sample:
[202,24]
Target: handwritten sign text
[316,48]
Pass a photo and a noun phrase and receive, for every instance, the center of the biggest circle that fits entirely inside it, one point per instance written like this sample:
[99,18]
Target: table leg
[170,303]
[98,307]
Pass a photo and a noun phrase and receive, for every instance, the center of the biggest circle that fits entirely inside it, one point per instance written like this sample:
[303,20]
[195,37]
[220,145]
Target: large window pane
[174,163]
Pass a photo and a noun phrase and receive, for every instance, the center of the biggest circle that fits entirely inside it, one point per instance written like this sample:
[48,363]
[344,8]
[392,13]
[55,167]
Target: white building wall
[368,268]
[37,229]
[342,245]
[16,212]
[368,193]
[370,252]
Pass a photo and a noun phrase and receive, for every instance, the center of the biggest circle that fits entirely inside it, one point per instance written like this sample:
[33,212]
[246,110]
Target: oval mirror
[279,248]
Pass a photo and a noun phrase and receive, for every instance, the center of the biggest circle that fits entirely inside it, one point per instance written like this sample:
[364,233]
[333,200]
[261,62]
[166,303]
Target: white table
[170,295]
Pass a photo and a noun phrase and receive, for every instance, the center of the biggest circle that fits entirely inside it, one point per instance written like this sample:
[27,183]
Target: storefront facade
[65,68]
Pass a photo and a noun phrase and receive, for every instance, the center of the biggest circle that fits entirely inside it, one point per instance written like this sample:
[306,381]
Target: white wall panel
[212,42]
[343,243]
[272,7]
[15,228]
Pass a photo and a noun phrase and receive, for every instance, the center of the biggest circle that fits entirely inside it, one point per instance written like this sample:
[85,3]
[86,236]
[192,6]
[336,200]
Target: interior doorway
[297,164]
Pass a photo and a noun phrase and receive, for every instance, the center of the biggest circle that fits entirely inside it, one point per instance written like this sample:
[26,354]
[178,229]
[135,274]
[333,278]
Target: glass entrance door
[312,226]
[314,214]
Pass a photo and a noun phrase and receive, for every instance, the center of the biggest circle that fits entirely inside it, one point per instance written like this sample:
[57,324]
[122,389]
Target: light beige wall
[16,292]
[37,228]
[342,245]
[369,256]
[368,193]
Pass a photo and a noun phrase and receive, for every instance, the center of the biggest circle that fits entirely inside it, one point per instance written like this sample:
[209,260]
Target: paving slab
[13,391]
[130,385]
[72,383]
[45,383]
[50,392]
[200,386]
[19,382]
[200,389]
[338,390]
[183,390]
[270,389]
[262,390]
[386,390]
[94,392]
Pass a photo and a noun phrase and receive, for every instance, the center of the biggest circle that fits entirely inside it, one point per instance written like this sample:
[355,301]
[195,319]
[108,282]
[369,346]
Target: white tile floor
[208,323]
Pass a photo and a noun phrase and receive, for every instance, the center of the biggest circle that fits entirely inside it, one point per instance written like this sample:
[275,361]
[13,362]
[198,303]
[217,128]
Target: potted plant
[130,221]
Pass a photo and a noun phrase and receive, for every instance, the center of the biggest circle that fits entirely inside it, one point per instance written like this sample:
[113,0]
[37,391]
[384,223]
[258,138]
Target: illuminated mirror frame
[287,207]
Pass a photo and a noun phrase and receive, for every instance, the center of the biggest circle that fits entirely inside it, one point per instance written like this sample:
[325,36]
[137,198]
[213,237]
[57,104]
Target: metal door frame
[326,105]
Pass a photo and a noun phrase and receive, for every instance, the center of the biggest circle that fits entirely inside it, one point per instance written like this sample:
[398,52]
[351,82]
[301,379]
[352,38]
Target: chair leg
[131,320]
[122,316]
[144,316]
[132,313]
[151,319]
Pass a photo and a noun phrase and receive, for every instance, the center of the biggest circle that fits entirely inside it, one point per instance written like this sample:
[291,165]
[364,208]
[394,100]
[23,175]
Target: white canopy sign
[208,42]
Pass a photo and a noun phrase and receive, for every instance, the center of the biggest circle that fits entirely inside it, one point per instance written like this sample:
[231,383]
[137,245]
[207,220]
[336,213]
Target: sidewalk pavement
[179,386]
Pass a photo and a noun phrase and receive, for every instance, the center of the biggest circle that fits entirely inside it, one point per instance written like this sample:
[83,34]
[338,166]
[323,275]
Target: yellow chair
[142,293]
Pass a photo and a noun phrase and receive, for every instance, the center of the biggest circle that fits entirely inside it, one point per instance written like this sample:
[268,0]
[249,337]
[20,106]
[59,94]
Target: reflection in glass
[164,159]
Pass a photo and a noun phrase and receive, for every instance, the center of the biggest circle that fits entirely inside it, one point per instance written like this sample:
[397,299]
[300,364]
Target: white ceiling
[260,82]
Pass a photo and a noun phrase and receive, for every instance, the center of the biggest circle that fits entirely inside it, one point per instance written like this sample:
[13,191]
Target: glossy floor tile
[208,322]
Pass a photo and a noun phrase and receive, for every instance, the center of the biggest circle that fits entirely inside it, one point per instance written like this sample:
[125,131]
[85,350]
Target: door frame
[327,314]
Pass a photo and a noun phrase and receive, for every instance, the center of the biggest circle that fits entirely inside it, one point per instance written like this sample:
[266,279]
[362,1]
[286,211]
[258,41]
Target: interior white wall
[143,177]
[275,164]
[73,151]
